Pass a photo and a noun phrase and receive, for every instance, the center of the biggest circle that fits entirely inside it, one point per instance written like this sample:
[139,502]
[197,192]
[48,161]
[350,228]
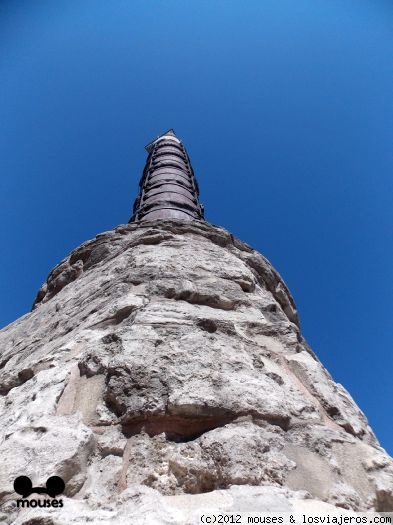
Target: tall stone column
[161,372]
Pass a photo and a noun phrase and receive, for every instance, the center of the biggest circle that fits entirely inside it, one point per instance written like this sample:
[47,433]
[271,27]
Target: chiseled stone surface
[162,372]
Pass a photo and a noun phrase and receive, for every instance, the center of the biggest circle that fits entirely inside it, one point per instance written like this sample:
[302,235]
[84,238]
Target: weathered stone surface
[161,370]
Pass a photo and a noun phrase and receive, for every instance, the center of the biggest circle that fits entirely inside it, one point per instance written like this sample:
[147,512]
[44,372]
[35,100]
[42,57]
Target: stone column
[162,370]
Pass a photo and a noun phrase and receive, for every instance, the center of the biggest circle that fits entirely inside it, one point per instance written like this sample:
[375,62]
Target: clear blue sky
[286,110]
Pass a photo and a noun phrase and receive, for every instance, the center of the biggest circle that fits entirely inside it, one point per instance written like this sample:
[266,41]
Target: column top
[168,135]
[168,187]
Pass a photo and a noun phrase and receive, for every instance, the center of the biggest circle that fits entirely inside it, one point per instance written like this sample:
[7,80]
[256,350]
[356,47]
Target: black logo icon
[54,486]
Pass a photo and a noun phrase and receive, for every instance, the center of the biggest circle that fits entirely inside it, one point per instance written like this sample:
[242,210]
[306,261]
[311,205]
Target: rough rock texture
[161,372]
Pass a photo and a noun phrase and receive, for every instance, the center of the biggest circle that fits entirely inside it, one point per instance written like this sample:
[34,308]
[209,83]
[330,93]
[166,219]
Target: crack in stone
[176,428]
[117,318]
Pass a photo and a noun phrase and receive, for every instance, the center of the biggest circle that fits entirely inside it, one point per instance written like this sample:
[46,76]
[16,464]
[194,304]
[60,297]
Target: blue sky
[286,110]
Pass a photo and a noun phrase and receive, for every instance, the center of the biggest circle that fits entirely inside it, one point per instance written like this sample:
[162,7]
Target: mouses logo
[53,487]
